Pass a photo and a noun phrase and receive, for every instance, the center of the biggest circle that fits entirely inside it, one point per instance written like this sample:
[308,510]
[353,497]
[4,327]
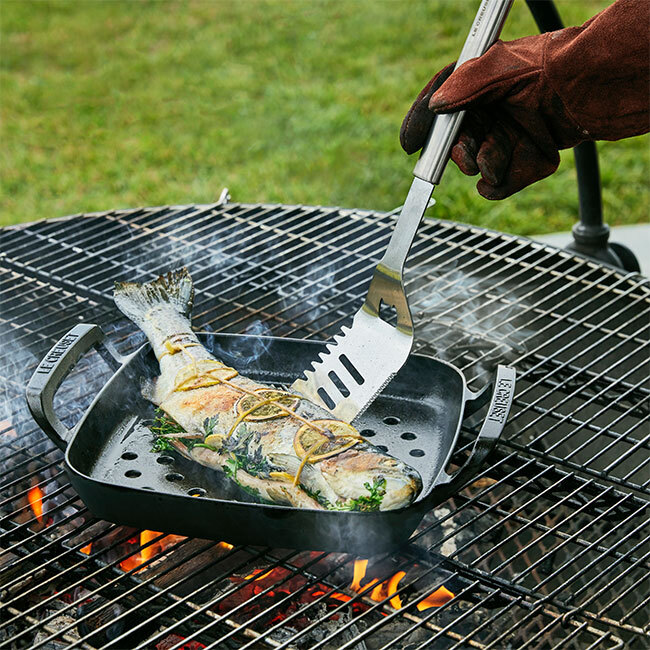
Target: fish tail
[174,289]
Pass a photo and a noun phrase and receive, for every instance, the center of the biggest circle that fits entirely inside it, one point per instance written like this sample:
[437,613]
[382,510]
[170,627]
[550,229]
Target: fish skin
[161,309]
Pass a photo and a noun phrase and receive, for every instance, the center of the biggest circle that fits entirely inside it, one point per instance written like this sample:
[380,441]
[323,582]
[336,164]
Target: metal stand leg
[590,234]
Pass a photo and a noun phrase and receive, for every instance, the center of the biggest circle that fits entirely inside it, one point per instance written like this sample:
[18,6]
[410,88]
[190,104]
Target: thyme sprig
[164,426]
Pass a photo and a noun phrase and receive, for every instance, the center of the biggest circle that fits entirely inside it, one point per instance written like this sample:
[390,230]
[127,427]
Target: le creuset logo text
[56,353]
[479,18]
[499,408]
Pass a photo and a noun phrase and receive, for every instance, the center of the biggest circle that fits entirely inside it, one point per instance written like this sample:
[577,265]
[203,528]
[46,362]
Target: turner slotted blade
[360,361]
[356,366]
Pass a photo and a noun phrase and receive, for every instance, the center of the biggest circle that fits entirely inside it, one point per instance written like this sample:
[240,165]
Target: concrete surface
[636,238]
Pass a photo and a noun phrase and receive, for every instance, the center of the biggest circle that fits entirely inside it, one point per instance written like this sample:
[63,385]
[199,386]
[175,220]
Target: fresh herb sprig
[317,496]
[161,444]
[209,424]
[370,503]
[256,464]
[164,426]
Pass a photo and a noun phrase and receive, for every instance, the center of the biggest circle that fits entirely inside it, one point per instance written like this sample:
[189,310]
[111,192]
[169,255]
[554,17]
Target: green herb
[237,446]
[370,503]
[230,468]
[251,490]
[162,426]
[256,464]
[161,444]
[317,496]
[209,424]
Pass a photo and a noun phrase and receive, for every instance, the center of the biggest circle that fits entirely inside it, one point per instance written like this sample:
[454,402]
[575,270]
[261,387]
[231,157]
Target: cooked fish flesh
[273,443]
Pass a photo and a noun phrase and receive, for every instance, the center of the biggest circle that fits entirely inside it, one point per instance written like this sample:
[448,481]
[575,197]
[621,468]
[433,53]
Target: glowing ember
[256,572]
[35,498]
[147,552]
[225,546]
[86,549]
[131,562]
[335,595]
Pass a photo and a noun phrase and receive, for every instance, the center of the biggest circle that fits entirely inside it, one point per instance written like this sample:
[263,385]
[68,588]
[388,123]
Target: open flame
[373,589]
[438,598]
[283,582]
[35,498]
[150,551]
[389,587]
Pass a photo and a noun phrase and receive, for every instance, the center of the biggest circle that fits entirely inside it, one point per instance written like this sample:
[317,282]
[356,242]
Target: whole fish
[275,444]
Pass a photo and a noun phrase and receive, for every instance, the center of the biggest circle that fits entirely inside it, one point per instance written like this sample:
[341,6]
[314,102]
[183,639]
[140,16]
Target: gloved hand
[527,99]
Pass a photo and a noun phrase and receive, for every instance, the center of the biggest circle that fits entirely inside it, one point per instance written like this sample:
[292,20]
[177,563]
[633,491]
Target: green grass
[114,104]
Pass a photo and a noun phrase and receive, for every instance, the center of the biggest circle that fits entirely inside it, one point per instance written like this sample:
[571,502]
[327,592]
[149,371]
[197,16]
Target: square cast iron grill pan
[108,457]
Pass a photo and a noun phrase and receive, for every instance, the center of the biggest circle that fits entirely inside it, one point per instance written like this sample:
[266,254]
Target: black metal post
[590,234]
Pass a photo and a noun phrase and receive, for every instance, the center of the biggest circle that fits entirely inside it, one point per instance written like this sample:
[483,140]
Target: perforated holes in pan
[136,465]
[407,430]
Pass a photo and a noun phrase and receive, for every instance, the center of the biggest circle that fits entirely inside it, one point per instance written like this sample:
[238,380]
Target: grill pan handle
[53,370]
[504,390]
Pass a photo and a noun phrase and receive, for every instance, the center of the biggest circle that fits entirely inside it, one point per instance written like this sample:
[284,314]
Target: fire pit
[544,549]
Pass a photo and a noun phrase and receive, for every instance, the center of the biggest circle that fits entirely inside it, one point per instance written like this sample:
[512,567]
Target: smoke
[166,244]
[309,297]
[242,353]
[17,364]
[467,321]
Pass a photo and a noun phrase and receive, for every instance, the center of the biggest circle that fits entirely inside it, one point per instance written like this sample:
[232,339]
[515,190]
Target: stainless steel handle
[484,32]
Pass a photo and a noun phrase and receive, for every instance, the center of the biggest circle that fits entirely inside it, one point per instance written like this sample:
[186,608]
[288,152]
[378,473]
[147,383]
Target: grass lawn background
[120,104]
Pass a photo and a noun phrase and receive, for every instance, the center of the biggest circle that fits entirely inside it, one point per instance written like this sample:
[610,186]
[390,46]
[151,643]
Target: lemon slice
[215,440]
[267,411]
[202,373]
[281,476]
[341,436]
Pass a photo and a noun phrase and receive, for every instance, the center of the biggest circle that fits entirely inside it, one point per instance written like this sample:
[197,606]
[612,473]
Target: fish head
[350,473]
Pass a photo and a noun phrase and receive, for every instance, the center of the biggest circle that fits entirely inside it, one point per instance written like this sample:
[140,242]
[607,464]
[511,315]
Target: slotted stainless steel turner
[362,359]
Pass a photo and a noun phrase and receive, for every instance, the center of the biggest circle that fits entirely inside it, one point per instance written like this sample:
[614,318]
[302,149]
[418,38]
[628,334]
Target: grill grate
[546,549]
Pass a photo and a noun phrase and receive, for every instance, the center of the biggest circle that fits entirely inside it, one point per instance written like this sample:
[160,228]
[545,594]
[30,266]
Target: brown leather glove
[527,99]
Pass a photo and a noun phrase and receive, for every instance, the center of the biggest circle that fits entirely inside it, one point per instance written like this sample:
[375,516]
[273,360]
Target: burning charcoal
[53,626]
[324,633]
[203,567]
[172,640]
[99,613]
